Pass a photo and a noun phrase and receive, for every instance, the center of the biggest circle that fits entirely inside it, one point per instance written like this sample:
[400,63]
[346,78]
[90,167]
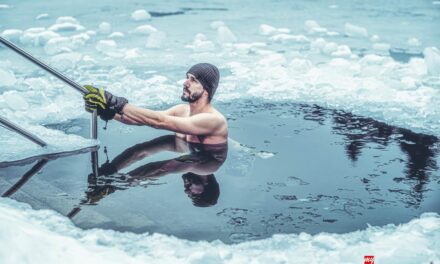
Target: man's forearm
[134,115]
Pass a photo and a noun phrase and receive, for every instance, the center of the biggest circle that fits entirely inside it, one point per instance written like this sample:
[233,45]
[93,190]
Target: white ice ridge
[31,236]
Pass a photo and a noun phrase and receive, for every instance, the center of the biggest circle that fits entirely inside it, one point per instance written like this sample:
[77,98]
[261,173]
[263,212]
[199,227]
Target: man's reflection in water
[198,167]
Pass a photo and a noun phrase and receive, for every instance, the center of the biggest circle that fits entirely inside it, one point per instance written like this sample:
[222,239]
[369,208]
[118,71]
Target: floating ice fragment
[436,2]
[217,24]
[201,44]
[333,6]
[7,78]
[66,60]
[318,43]
[417,66]
[332,33]
[156,39]
[37,36]
[267,30]
[104,28]
[140,15]
[67,26]
[3,6]
[375,38]
[409,82]
[381,46]
[66,19]
[414,42]
[432,60]
[12,34]
[300,65]
[371,59]
[342,51]
[265,154]
[57,45]
[144,30]
[285,38]
[225,35]
[15,101]
[355,31]
[42,16]
[116,35]
[274,59]
[106,45]
[311,26]
[330,47]
[30,35]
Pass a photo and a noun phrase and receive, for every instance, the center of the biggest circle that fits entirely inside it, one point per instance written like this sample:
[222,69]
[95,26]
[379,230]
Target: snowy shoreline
[44,236]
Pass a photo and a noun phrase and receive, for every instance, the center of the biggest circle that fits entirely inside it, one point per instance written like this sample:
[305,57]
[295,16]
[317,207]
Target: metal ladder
[14,127]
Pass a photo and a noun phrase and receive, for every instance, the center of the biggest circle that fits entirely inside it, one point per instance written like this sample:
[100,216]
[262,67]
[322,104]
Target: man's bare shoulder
[178,110]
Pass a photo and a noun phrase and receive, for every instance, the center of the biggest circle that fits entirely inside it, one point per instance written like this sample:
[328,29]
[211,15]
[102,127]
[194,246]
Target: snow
[30,233]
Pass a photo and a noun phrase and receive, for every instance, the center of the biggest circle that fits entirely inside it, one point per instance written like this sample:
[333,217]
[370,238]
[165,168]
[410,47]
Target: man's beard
[191,98]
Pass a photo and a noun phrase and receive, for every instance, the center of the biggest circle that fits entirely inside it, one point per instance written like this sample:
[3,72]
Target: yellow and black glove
[107,104]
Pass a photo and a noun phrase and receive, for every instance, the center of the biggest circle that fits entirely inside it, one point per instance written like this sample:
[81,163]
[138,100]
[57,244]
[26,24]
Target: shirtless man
[196,122]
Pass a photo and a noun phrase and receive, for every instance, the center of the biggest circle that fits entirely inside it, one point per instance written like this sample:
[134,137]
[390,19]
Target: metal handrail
[8,124]
[76,86]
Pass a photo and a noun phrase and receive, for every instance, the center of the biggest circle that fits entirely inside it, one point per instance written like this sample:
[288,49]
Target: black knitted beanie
[208,75]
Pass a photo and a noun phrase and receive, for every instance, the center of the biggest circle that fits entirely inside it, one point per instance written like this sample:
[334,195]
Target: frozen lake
[333,115]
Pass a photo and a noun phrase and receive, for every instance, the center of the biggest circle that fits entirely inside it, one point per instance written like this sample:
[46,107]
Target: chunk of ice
[140,15]
[355,31]
[311,26]
[432,60]
[3,6]
[375,38]
[225,35]
[318,43]
[106,45]
[414,42]
[66,19]
[266,30]
[66,26]
[330,47]
[301,65]
[274,59]
[217,24]
[42,16]
[15,101]
[342,51]
[66,61]
[144,30]
[7,78]
[201,44]
[156,39]
[286,38]
[57,45]
[104,28]
[116,35]
[381,46]
[12,34]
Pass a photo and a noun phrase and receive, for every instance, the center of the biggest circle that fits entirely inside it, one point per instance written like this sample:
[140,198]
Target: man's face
[192,89]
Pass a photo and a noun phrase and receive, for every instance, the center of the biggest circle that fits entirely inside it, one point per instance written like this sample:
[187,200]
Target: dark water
[290,168]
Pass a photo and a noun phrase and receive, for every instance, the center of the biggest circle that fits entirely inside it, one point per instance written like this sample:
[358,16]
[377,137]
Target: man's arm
[200,124]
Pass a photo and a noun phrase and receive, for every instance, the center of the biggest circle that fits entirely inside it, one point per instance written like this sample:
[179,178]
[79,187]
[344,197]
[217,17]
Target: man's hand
[106,103]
